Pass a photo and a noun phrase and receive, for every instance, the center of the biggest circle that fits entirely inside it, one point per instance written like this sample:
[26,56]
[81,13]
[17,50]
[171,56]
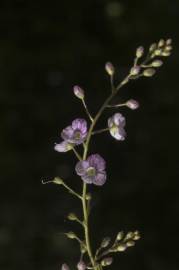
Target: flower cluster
[92,168]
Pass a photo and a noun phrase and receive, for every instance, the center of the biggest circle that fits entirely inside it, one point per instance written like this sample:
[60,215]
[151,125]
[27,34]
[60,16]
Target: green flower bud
[158,52]
[168,48]
[169,41]
[88,196]
[136,235]
[165,53]
[107,261]
[105,242]
[153,47]
[72,216]
[139,52]
[120,235]
[161,43]
[157,63]
[121,247]
[71,235]
[130,243]
[129,235]
[135,70]
[58,181]
[149,72]
[109,68]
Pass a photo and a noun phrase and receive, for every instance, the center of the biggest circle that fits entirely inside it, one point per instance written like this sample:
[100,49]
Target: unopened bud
[149,72]
[132,104]
[129,235]
[105,242]
[65,267]
[88,196]
[153,47]
[120,235]
[135,70]
[161,43]
[169,41]
[168,48]
[157,63]
[136,235]
[130,243]
[78,91]
[109,68]
[158,52]
[71,235]
[121,247]
[139,52]
[165,53]
[81,265]
[72,216]
[107,261]
[58,181]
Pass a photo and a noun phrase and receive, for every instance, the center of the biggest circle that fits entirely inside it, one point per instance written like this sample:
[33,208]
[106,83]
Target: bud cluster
[122,241]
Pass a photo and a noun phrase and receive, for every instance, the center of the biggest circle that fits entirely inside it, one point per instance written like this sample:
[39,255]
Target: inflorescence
[92,168]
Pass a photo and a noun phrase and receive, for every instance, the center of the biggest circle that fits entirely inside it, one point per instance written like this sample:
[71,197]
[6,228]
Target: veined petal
[67,133]
[80,124]
[118,133]
[119,119]
[81,167]
[100,179]
[97,162]
[63,147]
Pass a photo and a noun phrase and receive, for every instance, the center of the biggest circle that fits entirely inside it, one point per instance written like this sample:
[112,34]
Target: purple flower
[92,170]
[116,125]
[72,135]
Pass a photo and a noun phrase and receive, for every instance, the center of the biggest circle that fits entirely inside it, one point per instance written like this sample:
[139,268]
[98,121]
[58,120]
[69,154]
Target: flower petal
[100,179]
[119,119]
[67,133]
[87,179]
[80,124]
[63,147]
[81,167]
[97,162]
[118,133]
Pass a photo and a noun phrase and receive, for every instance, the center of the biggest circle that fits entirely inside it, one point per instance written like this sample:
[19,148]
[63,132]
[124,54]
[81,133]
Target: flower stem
[87,111]
[86,146]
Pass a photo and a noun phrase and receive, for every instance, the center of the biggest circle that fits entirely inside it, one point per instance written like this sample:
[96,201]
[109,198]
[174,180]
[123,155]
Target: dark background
[45,48]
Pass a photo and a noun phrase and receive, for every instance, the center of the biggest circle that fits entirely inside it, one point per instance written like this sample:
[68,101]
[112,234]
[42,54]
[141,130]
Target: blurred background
[45,49]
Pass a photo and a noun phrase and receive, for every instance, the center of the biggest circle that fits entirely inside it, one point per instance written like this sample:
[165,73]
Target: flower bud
[71,235]
[132,104]
[107,261]
[105,242]
[149,72]
[58,181]
[65,267]
[168,48]
[153,47]
[135,70]
[120,235]
[139,52]
[130,243]
[129,235]
[161,43]
[136,235]
[109,68]
[165,53]
[157,63]
[81,265]
[78,91]
[72,216]
[121,247]
[88,196]
[169,41]
[158,52]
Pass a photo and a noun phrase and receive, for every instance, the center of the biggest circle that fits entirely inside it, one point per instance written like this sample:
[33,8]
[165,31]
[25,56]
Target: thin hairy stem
[87,111]
[72,191]
[86,147]
[100,131]
[76,153]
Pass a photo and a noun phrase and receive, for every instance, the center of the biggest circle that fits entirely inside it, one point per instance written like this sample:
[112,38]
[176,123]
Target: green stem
[71,191]
[85,213]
